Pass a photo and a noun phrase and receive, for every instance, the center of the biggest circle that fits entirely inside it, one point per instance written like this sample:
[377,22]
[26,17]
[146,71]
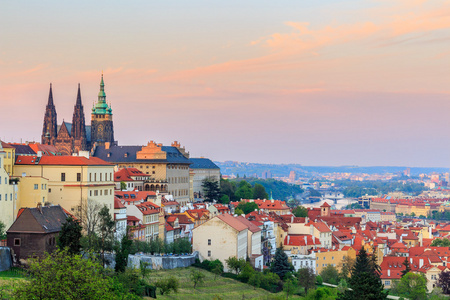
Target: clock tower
[102,130]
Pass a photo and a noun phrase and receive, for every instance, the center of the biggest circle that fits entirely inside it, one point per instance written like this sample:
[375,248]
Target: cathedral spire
[50,97]
[78,97]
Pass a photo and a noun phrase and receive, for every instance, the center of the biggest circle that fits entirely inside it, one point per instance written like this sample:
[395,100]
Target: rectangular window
[100,176]
[0,197]
[36,186]
[95,177]
[209,242]
[95,193]
[387,282]
[63,176]
[78,177]
[10,197]
[17,242]
[90,193]
[106,192]
[209,253]
[90,176]
[101,192]
[49,190]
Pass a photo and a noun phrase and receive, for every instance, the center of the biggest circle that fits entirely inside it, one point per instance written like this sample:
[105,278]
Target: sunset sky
[351,82]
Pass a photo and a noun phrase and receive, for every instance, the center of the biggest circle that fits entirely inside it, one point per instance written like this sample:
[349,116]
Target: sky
[353,82]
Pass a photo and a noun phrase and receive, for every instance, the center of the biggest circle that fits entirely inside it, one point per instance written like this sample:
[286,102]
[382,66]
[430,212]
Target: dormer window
[126,154]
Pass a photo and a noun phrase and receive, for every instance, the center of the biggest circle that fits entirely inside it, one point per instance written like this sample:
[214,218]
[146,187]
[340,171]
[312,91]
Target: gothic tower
[79,126]
[102,130]
[50,128]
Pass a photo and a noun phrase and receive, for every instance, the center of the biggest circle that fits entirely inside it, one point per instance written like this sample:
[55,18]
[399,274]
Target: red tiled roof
[125,174]
[252,227]
[322,227]
[118,204]
[64,160]
[232,221]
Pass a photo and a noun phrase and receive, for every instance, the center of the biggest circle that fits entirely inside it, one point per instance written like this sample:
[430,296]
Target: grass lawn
[221,288]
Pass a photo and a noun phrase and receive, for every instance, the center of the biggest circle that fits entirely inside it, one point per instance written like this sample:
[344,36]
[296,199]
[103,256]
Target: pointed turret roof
[50,96]
[101,107]
[78,103]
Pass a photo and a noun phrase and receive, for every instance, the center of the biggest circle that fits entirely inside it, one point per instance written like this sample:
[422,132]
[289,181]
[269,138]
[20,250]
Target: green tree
[247,207]
[144,268]
[244,191]
[444,282]
[281,264]
[196,277]
[330,274]
[306,279]
[63,276]
[342,286]
[413,286]
[237,265]
[256,279]
[106,230]
[289,287]
[123,186]
[224,199]
[300,211]
[407,267]
[239,211]
[211,190]
[122,252]
[228,188]
[166,285]
[217,270]
[70,236]
[365,281]
[346,265]
[2,231]
[444,242]
[259,192]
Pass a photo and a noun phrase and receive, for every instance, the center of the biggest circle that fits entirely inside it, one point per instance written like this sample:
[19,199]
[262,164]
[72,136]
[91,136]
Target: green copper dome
[101,107]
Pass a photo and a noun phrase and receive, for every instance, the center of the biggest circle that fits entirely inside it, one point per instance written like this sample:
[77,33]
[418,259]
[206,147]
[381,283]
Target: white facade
[303,261]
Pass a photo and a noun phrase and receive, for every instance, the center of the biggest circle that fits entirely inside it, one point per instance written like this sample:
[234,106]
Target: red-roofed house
[149,215]
[120,217]
[132,177]
[73,181]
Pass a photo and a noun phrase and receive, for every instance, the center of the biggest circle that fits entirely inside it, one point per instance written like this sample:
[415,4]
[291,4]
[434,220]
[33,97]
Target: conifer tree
[281,264]
[408,268]
[365,281]
[70,235]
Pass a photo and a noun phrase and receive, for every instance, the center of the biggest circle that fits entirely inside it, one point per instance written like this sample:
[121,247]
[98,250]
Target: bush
[319,280]
[166,285]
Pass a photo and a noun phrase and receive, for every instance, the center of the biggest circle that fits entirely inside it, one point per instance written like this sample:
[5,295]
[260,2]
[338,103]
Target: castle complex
[73,137]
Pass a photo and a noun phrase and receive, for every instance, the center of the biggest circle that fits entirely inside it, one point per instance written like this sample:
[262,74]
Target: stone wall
[5,259]
[156,262]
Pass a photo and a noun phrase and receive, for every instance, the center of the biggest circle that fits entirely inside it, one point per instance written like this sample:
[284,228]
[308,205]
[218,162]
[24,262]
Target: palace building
[73,137]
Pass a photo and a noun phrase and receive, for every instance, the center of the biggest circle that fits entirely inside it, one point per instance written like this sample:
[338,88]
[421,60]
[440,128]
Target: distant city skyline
[316,83]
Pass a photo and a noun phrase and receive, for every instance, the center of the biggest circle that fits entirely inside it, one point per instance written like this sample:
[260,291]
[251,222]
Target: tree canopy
[247,207]
[444,242]
[70,236]
[211,190]
[412,286]
[281,265]
[300,211]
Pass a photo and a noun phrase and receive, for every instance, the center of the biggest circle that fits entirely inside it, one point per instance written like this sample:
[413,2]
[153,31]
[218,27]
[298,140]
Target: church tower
[50,128]
[102,130]
[78,132]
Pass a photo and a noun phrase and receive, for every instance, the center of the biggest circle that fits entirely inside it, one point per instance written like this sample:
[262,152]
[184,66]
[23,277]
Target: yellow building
[73,181]
[167,165]
[333,257]
[32,190]
[8,160]
[8,193]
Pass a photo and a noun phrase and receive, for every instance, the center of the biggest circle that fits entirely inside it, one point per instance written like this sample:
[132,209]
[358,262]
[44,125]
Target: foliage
[279,189]
[407,267]
[365,281]
[444,282]
[289,287]
[144,268]
[412,286]
[122,252]
[322,293]
[237,265]
[89,216]
[355,189]
[166,285]
[2,231]
[64,276]
[129,283]
[196,277]
[330,274]
[179,246]
[259,192]
[70,236]
[346,265]
[247,207]
[319,280]
[256,279]
[106,231]
[228,188]
[280,264]
[123,186]
[342,286]
[306,278]
[444,242]
[238,211]
[246,273]
[300,211]
[224,199]
[211,189]
[244,190]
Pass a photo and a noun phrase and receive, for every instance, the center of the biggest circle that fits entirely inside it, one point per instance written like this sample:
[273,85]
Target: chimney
[420,263]
[288,239]
[389,273]
[107,145]
[39,207]
[306,240]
